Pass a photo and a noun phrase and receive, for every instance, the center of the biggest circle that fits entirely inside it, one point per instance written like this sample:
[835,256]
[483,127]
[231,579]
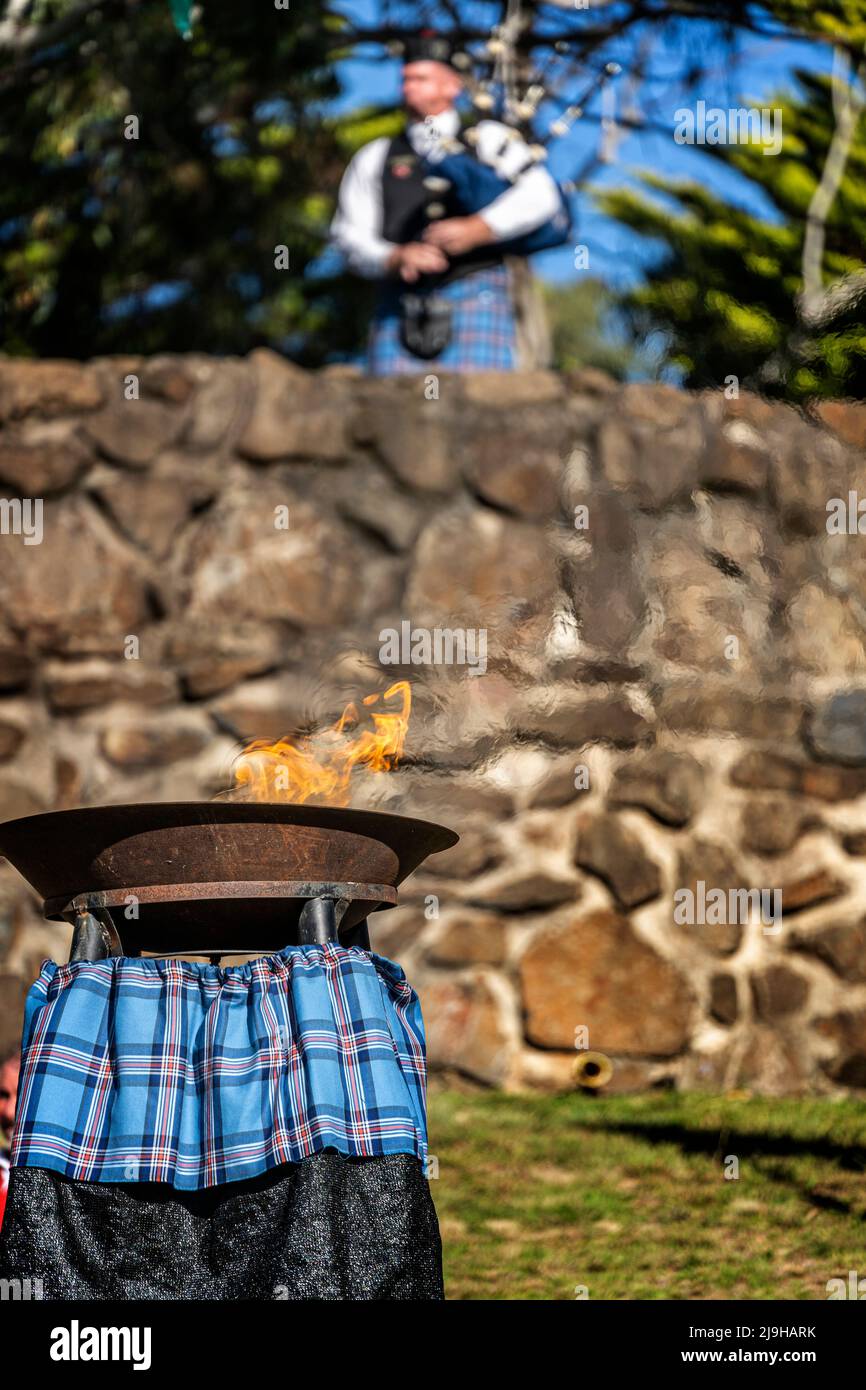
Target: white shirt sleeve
[357,224]
[533,197]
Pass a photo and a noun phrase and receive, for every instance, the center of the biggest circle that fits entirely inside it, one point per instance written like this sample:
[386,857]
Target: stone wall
[674,690]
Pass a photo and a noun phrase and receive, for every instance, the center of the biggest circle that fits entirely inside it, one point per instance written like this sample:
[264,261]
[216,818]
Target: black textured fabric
[329,1227]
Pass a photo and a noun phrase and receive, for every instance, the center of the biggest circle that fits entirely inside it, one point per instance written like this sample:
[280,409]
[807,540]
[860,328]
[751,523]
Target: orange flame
[321,765]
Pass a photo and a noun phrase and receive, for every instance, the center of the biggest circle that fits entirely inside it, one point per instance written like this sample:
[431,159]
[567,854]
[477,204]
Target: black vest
[411,201]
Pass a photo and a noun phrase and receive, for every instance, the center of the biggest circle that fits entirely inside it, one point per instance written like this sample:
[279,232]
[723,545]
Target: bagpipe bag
[475,184]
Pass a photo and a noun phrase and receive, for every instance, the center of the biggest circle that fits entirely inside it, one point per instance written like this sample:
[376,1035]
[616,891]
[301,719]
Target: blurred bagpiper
[433,214]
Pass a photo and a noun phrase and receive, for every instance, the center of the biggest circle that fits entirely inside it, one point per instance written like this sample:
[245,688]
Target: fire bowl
[228,873]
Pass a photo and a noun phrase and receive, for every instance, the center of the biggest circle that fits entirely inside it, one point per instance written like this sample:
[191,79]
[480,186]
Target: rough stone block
[594,972]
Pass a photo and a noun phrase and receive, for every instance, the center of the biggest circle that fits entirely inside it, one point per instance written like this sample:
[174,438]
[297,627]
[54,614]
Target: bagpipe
[472,184]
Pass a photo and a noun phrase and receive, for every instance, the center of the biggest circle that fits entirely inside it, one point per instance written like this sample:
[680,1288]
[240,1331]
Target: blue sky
[761,67]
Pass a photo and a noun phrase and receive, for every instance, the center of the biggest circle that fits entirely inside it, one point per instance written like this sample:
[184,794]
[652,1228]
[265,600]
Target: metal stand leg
[94,935]
[320,920]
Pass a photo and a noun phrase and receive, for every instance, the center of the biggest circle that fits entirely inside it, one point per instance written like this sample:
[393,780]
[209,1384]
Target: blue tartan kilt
[167,1071]
[483,337]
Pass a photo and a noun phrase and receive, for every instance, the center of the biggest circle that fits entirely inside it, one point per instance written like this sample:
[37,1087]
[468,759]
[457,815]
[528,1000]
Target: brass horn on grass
[592,1071]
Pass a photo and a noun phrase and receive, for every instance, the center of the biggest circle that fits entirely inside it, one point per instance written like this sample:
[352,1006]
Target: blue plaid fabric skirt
[137,1070]
[483,329]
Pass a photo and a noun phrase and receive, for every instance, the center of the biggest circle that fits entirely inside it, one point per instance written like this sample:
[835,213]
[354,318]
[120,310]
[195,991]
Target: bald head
[429,88]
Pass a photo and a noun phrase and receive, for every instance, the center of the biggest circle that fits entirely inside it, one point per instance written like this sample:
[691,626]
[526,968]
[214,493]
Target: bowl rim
[291,812]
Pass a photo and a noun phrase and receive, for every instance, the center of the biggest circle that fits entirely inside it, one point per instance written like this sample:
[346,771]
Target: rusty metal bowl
[228,871]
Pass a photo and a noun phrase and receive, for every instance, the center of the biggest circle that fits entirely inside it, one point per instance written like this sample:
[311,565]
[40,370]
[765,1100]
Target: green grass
[628,1197]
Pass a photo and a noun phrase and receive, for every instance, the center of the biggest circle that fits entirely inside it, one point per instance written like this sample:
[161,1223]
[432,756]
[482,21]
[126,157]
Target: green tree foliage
[166,241]
[725,289]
